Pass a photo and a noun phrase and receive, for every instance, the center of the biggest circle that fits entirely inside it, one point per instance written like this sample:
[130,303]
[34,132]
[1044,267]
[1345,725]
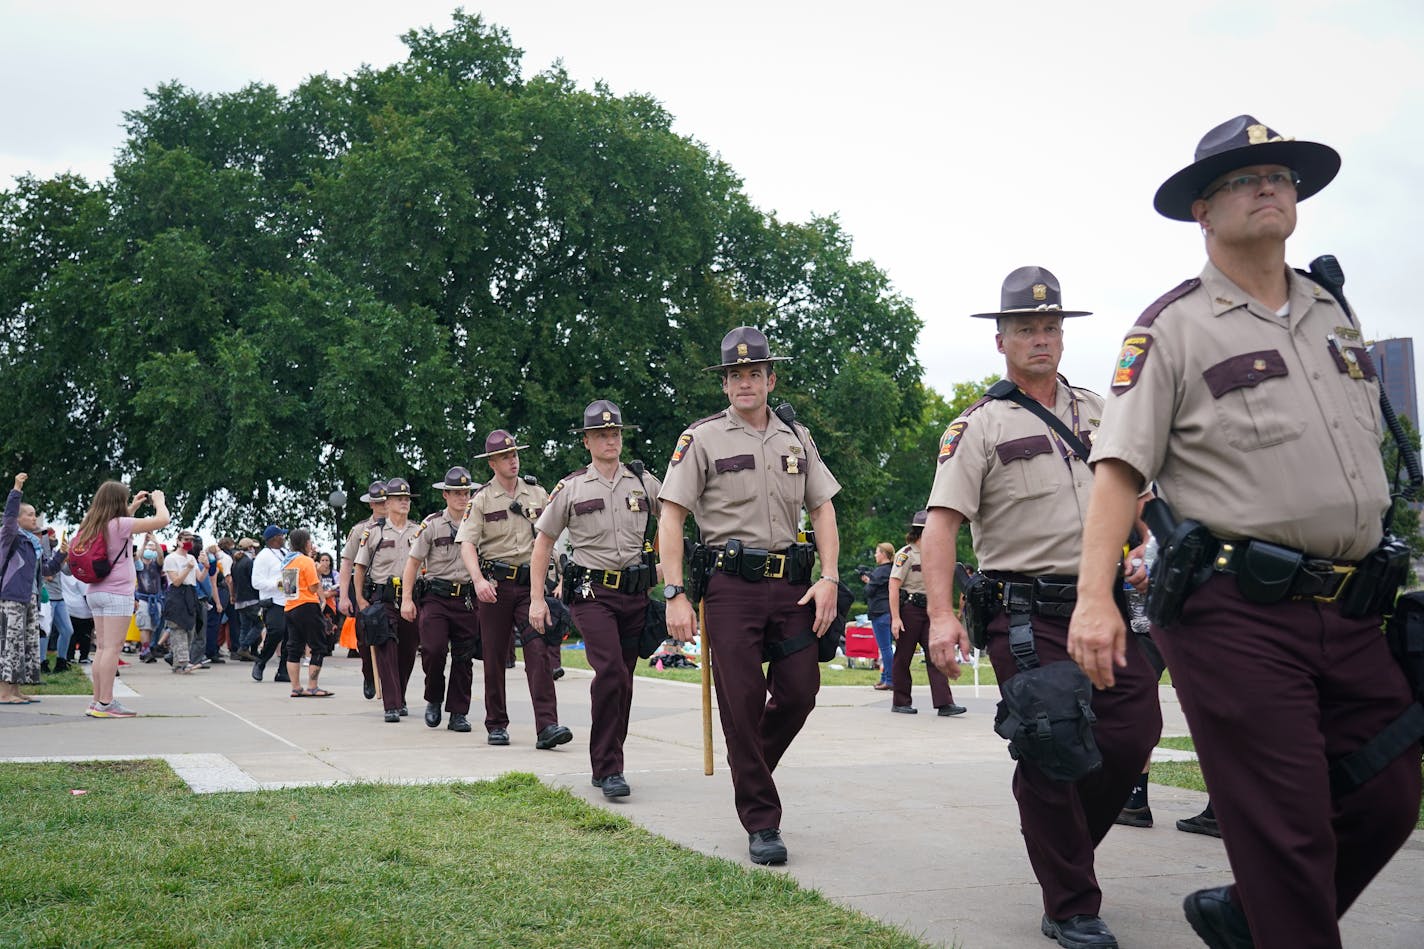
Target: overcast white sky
[955,141]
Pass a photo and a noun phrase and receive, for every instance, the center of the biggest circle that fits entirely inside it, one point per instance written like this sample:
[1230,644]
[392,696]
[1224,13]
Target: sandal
[320,693]
[298,693]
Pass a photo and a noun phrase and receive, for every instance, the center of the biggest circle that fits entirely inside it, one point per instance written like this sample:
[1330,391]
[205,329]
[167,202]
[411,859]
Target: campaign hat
[601,414]
[743,346]
[498,442]
[1240,143]
[397,488]
[1030,291]
[455,479]
[375,494]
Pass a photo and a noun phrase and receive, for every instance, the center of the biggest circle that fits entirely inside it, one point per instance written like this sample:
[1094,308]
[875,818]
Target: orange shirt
[298,577]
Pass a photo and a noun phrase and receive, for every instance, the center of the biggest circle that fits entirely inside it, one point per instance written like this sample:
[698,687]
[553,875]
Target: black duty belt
[634,579]
[384,590]
[495,570]
[752,563]
[442,587]
[1295,574]
[914,599]
[1053,596]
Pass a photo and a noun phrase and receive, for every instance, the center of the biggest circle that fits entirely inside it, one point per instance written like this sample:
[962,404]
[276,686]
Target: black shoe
[44,667]
[458,723]
[905,709]
[613,786]
[432,714]
[1201,824]
[1135,817]
[498,736]
[766,847]
[1079,932]
[558,673]
[216,660]
[368,689]
[509,663]
[169,659]
[951,709]
[257,669]
[353,654]
[392,715]
[281,675]
[62,665]
[404,710]
[1220,923]
[553,735]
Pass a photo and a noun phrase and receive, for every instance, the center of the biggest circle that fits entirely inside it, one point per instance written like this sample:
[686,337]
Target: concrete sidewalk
[906,818]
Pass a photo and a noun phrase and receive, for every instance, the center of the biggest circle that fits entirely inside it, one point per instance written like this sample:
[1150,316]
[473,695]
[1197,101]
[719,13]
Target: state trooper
[1023,487]
[745,475]
[445,616]
[1249,395]
[375,496]
[381,557]
[496,541]
[606,508]
[910,626]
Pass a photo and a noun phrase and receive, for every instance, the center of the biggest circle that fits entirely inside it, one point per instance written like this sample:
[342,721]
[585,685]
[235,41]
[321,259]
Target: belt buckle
[617,576]
[1344,574]
[456,588]
[780,573]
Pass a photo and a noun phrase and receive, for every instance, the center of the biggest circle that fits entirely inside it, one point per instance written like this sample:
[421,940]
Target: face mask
[150,555]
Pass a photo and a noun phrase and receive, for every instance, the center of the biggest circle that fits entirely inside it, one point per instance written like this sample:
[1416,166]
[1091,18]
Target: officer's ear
[1199,214]
[770,378]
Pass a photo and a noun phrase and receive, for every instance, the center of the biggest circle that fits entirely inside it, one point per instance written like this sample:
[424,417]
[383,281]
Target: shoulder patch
[364,534]
[1130,361]
[421,529]
[1149,315]
[684,441]
[950,441]
[902,556]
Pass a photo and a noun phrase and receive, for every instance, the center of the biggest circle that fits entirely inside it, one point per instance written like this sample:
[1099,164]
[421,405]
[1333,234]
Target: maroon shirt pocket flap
[736,463]
[1245,371]
[496,515]
[1017,449]
[1359,356]
[588,507]
[443,541]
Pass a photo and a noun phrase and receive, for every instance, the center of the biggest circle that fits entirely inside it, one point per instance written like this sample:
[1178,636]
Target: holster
[1377,580]
[981,605]
[699,568]
[1183,563]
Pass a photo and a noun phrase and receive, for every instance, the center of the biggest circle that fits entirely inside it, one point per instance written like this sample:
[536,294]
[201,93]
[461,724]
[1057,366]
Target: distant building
[1394,358]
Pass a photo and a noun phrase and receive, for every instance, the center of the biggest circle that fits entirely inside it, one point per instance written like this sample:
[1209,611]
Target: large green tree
[280,294]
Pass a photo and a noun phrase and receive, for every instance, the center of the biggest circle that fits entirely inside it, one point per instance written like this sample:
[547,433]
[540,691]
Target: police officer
[910,626]
[375,496]
[446,617]
[606,508]
[1024,490]
[1247,393]
[745,474]
[380,559]
[496,541]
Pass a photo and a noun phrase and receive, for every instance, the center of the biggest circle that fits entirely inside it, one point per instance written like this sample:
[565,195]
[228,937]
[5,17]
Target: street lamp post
[337,500]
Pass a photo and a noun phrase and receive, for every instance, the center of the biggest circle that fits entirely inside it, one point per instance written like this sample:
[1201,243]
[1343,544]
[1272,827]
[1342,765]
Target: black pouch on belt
[1376,580]
[1267,571]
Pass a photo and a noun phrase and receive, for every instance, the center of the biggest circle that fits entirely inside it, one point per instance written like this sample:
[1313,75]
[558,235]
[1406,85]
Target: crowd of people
[1226,386]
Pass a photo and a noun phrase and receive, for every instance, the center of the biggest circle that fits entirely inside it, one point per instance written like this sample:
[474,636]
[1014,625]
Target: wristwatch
[671,590]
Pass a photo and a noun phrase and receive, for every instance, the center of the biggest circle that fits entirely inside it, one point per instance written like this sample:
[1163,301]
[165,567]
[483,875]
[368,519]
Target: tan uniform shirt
[742,484]
[496,531]
[1023,492]
[384,549]
[606,520]
[1251,422]
[907,570]
[434,545]
[353,539]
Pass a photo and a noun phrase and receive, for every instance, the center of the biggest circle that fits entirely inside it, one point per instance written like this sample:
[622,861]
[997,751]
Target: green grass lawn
[138,860]
[71,681]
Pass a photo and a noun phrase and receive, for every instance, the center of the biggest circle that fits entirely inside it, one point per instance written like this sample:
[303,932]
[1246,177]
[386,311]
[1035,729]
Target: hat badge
[1259,135]
[741,349]
[607,416]
[508,440]
[1040,291]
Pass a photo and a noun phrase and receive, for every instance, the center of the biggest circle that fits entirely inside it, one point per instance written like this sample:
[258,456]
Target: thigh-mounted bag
[655,631]
[375,625]
[1046,714]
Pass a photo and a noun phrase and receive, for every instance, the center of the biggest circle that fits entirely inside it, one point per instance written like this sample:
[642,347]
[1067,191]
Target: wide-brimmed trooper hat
[919,519]
[375,494]
[1240,143]
[498,442]
[743,346]
[456,478]
[397,488]
[602,414]
[1030,291]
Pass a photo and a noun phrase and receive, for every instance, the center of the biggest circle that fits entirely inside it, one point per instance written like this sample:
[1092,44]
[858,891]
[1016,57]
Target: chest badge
[634,504]
[1352,365]
[793,464]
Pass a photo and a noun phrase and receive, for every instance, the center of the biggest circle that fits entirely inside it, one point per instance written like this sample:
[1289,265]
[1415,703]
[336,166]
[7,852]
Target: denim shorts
[110,604]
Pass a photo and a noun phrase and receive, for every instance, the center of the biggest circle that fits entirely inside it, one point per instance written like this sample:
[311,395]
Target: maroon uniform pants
[395,658]
[497,624]
[742,617]
[1272,693]
[916,620]
[609,621]
[1063,822]
[448,628]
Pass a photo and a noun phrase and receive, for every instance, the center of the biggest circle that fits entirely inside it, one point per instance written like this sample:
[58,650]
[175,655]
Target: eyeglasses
[1239,183]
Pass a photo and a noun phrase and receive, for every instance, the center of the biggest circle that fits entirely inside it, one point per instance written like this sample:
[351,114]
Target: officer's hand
[486,592]
[897,626]
[1136,567]
[824,593]
[682,624]
[538,615]
[361,603]
[408,609]
[347,607]
[946,636]
[1097,639]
